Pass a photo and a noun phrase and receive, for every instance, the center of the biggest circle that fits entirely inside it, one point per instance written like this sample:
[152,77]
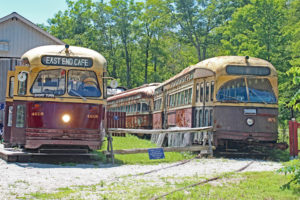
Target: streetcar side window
[22,86]
[207,92]
[145,107]
[200,118]
[11,86]
[139,107]
[181,97]
[172,100]
[201,91]
[20,121]
[196,120]
[10,113]
[185,97]
[212,88]
[210,117]
[190,95]
[197,92]
[206,117]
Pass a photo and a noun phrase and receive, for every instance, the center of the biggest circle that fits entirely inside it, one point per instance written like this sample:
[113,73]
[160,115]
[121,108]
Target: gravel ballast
[18,179]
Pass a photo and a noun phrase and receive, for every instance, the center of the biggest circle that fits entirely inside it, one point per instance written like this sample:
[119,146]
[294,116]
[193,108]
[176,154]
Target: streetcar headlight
[250,121]
[66,118]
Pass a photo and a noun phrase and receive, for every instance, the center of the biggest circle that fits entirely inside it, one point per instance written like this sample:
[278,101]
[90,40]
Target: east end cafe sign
[67,61]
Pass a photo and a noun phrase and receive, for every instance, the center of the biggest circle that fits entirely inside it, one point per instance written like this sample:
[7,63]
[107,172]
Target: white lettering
[86,62]
[64,61]
[76,62]
[67,61]
[48,60]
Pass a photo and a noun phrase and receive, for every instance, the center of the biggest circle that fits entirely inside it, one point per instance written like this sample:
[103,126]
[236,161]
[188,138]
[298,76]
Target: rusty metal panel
[231,123]
[184,117]
[143,121]
[172,118]
[157,120]
[265,119]
[116,119]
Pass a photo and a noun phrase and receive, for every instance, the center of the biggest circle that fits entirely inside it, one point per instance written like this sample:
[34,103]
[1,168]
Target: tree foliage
[292,167]
[151,40]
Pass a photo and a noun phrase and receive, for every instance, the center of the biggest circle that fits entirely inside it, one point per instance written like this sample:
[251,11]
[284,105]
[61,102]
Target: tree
[152,22]
[124,13]
[257,30]
[293,29]
[74,26]
[197,21]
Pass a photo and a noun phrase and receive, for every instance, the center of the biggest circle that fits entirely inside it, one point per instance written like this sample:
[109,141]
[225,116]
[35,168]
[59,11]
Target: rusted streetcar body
[57,99]
[234,94]
[137,103]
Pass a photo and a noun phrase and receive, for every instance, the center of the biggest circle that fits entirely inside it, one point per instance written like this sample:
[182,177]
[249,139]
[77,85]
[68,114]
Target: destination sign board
[67,61]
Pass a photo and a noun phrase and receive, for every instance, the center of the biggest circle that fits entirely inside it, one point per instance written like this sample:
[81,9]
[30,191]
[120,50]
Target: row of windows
[181,98]
[157,104]
[138,107]
[205,93]
[203,119]
[131,98]
[20,119]
[80,83]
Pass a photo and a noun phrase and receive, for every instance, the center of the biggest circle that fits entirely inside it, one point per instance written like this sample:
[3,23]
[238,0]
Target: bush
[292,167]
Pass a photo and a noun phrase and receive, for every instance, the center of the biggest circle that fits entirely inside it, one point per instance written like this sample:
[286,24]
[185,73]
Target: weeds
[293,168]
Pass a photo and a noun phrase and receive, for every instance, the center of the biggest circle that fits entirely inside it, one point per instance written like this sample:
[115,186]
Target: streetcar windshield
[50,82]
[255,91]
[83,84]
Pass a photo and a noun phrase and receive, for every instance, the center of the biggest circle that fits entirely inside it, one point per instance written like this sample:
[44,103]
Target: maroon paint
[49,115]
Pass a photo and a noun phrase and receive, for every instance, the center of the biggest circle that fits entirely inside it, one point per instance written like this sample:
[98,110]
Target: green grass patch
[60,194]
[133,142]
[250,185]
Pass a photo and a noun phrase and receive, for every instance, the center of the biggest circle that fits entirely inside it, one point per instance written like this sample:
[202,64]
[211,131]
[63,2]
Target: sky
[36,11]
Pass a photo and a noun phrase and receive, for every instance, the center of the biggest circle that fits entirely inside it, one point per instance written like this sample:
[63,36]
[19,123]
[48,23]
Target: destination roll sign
[67,61]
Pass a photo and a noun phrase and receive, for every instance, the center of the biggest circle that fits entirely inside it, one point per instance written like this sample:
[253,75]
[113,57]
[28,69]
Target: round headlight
[66,118]
[250,121]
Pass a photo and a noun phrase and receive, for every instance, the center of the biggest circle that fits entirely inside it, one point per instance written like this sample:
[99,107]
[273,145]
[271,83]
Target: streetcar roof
[146,89]
[217,65]
[35,55]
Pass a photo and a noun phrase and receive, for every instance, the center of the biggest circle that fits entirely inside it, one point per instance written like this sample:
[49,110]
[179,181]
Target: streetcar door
[165,110]
[19,106]
[7,123]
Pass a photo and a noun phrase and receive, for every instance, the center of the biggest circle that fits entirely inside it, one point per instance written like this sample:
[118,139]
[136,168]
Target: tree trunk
[128,66]
[198,52]
[146,61]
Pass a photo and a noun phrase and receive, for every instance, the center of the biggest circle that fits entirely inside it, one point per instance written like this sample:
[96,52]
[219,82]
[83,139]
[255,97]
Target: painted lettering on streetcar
[67,61]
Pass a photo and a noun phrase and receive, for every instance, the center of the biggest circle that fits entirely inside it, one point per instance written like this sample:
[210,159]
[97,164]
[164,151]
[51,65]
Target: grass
[132,142]
[249,185]
[62,193]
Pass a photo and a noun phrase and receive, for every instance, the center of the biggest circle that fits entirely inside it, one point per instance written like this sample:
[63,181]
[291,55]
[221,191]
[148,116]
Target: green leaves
[293,167]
